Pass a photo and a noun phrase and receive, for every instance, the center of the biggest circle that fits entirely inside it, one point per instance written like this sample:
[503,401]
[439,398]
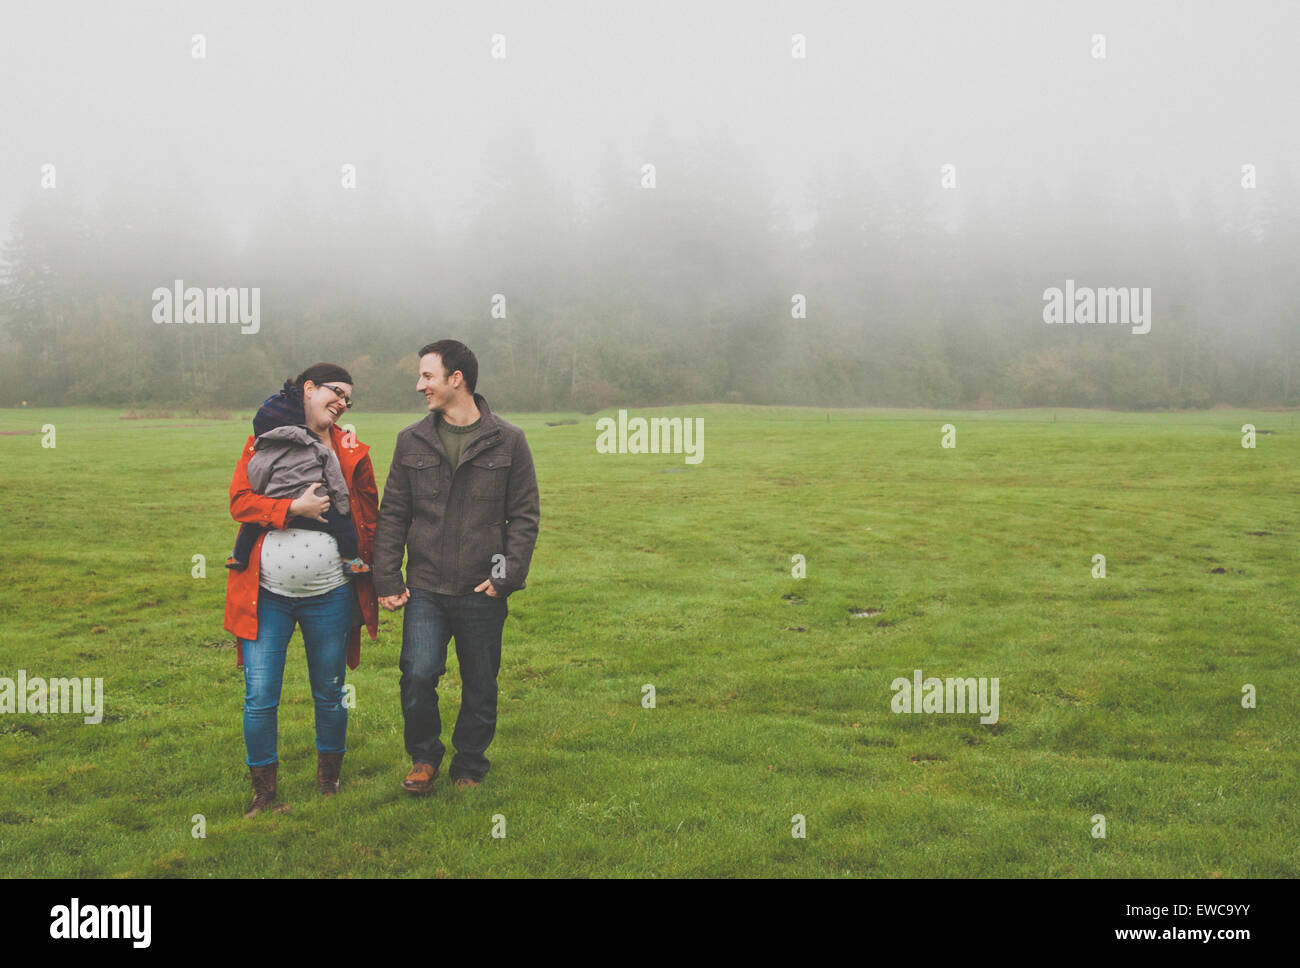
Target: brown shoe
[263,788]
[328,766]
[465,783]
[420,780]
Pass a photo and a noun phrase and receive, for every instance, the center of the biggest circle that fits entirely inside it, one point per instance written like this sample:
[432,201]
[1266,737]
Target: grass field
[1119,696]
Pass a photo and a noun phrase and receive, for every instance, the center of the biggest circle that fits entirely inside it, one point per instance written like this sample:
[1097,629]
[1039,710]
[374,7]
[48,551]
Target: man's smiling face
[436,386]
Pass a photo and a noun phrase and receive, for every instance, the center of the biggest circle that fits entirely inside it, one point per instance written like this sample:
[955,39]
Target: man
[462,501]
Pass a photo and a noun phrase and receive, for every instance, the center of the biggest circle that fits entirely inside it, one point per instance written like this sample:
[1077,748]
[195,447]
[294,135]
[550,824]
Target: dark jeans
[475,621]
[339,525]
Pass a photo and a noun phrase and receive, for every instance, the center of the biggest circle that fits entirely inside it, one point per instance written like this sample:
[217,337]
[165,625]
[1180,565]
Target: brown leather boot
[420,780]
[263,788]
[328,766]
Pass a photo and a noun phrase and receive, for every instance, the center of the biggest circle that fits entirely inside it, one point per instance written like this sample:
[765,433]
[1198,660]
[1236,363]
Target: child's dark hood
[285,409]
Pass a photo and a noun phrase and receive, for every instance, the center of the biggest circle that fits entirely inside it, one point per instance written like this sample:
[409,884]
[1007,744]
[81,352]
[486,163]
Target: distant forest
[676,294]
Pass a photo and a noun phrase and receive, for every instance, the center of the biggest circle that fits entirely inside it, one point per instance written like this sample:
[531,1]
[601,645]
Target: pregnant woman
[294,576]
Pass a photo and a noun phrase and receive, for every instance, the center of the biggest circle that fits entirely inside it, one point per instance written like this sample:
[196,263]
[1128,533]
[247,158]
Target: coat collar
[489,434]
[349,457]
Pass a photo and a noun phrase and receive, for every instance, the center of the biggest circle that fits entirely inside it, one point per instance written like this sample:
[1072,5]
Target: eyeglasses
[347,401]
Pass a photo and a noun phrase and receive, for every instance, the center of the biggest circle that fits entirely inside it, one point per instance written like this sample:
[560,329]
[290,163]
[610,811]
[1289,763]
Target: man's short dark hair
[455,355]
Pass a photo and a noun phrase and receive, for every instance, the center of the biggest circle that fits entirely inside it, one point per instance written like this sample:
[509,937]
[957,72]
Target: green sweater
[456,438]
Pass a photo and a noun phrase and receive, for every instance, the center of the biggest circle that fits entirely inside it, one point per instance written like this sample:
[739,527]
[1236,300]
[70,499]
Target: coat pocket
[488,475]
[423,471]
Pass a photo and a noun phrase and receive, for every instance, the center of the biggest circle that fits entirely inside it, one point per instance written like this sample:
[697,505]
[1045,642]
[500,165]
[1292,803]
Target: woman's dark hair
[320,373]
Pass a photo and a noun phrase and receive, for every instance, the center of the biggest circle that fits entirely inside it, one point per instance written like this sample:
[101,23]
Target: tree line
[699,289]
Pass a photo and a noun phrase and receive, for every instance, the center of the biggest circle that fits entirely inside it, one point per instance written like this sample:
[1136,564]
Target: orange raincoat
[245,506]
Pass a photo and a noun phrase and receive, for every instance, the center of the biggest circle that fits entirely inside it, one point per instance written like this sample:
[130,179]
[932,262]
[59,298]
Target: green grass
[1118,696]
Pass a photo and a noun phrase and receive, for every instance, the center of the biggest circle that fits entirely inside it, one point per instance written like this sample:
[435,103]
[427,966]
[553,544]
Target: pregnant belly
[298,563]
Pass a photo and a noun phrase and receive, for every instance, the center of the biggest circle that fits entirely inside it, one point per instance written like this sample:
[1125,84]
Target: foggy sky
[288,92]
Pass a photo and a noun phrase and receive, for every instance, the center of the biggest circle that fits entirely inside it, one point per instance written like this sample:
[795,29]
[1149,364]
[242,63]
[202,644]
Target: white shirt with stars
[299,562]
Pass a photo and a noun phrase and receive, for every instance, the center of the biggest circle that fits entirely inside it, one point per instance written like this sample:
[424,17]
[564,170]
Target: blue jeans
[326,621]
[430,620]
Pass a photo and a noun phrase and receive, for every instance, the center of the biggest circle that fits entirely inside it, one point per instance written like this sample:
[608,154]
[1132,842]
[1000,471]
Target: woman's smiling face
[325,402]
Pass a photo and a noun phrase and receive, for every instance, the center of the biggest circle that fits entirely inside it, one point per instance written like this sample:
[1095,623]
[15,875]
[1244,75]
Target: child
[290,457]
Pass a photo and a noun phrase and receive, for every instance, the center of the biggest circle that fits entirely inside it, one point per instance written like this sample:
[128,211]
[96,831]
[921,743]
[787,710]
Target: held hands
[310,505]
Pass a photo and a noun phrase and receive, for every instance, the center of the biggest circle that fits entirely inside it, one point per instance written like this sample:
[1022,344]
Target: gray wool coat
[457,530]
